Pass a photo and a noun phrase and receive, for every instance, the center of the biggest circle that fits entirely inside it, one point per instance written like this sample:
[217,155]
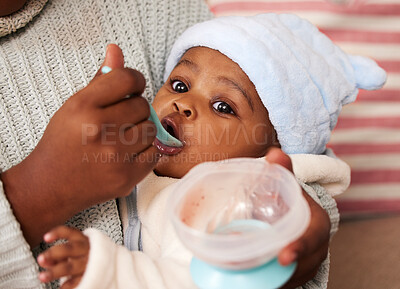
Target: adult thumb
[114,58]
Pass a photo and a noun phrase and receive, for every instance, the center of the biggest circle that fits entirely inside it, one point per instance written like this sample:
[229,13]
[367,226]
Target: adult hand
[311,249]
[96,147]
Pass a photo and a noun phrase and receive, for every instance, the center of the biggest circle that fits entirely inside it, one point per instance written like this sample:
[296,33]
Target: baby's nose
[184,108]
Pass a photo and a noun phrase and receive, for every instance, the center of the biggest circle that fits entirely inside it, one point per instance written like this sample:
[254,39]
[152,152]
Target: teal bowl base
[268,276]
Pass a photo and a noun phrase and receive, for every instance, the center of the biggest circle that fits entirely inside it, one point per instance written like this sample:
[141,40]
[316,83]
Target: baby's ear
[368,74]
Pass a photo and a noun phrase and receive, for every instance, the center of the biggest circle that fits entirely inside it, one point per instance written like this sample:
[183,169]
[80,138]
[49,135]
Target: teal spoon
[162,135]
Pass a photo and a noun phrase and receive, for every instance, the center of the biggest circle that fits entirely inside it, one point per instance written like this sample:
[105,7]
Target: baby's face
[211,105]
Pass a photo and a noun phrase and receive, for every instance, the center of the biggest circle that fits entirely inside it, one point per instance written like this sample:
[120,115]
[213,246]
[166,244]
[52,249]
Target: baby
[234,87]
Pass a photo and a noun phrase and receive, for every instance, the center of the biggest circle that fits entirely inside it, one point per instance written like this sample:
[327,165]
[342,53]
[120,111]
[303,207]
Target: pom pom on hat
[302,78]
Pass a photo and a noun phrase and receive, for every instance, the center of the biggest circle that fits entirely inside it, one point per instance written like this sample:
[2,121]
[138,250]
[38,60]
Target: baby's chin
[165,168]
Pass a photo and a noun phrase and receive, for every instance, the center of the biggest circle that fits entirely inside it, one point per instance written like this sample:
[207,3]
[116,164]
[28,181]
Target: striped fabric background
[367,135]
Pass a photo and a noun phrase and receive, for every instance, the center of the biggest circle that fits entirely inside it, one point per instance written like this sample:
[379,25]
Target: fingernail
[40,259]
[107,52]
[47,237]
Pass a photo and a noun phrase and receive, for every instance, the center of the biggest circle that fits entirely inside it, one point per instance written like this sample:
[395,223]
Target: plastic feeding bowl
[235,216]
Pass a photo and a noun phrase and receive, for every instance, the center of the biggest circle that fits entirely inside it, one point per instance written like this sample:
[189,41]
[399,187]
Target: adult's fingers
[144,163]
[113,87]
[128,140]
[114,58]
[128,112]
[138,138]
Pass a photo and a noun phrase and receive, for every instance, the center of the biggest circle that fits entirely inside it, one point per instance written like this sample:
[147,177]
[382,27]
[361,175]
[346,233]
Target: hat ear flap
[368,75]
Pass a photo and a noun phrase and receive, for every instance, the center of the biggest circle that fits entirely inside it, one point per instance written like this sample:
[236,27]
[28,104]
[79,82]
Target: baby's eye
[179,86]
[223,107]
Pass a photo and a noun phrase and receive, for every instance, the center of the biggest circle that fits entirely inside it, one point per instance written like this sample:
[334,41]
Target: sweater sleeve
[17,265]
[111,266]
[325,200]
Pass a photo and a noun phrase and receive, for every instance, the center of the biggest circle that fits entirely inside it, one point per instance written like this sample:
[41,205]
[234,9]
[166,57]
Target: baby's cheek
[160,100]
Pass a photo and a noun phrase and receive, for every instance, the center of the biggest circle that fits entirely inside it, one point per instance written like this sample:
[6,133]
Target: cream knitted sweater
[50,57]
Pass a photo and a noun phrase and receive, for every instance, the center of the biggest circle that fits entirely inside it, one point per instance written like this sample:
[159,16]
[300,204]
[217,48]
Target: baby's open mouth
[171,127]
